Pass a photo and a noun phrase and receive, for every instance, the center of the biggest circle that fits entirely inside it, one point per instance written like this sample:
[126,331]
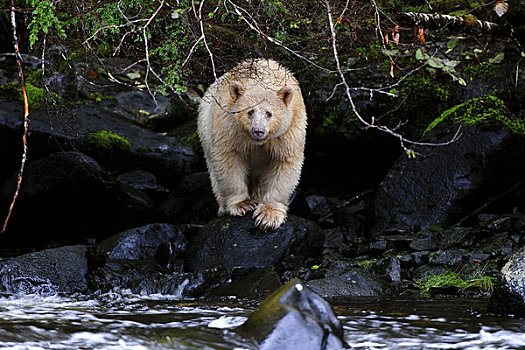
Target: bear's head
[261,112]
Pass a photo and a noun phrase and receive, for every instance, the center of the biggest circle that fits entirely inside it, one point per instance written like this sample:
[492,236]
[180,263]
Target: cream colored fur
[252,126]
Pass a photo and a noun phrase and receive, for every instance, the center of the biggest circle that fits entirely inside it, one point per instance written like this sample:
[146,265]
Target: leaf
[420,55]
[435,62]
[391,69]
[501,8]
[452,43]
[389,52]
[498,58]
[133,75]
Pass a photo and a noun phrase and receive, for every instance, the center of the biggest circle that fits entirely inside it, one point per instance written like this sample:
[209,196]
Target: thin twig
[373,124]
[26,117]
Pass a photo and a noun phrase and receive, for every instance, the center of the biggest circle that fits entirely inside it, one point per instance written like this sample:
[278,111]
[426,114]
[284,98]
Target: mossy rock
[37,97]
[108,142]
[487,109]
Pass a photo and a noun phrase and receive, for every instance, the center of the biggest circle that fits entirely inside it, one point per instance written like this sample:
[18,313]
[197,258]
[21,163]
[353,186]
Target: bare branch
[373,124]
[26,117]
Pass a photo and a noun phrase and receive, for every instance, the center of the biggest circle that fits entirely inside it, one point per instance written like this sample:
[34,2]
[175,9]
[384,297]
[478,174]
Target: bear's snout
[258,133]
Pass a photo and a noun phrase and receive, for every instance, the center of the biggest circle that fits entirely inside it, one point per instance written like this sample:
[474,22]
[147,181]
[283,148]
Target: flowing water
[126,321]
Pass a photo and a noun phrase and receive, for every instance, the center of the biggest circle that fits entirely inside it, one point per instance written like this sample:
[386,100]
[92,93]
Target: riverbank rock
[235,242]
[356,283]
[47,272]
[508,297]
[141,243]
[68,195]
[444,184]
[294,317]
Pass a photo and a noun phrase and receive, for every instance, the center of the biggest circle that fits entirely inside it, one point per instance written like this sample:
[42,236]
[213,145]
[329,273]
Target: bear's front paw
[269,217]
[241,208]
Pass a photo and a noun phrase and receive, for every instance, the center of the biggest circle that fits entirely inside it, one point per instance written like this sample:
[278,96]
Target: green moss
[484,108]
[37,97]
[483,71]
[33,77]
[108,141]
[450,279]
[190,140]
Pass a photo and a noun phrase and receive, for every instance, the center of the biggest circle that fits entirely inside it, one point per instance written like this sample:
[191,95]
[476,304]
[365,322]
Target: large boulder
[294,317]
[68,195]
[46,272]
[508,297]
[444,184]
[235,242]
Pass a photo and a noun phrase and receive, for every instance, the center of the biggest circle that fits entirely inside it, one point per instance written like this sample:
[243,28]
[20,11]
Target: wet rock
[144,277]
[355,282]
[144,181]
[259,283]
[69,127]
[423,241]
[46,272]
[294,318]
[236,242]
[69,192]
[427,270]
[508,297]
[447,183]
[191,201]
[137,106]
[141,243]
[449,257]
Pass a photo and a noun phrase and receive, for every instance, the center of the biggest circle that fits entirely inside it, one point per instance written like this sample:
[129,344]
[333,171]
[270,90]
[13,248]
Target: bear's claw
[242,208]
[268,217]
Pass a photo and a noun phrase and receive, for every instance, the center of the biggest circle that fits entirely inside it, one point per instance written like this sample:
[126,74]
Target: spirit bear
[252,127]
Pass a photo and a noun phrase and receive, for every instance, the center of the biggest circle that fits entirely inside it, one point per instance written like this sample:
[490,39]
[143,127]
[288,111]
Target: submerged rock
[508,297]
[235,242]
[47,272]
[294,317]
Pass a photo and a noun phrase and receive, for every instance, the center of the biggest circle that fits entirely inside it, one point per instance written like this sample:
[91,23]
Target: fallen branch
[26,117]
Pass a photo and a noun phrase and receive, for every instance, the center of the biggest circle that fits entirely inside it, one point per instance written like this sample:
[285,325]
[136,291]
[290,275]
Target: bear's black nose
[257,134]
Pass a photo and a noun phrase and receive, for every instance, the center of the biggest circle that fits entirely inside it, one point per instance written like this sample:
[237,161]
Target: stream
[122,320]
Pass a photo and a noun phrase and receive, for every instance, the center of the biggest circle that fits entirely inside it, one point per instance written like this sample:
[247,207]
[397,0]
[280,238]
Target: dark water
[126,321]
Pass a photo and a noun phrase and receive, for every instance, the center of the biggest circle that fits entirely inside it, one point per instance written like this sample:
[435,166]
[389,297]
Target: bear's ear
[285,94]
[236,90]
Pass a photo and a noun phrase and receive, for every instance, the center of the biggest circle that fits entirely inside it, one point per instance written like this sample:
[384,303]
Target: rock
[235,242]
[508,297]
[355,282]
[70,126]
[294,317]
[69,192]
[141,243]
[46,272]
[446,183]
[191,201]
[144,277]
[259,283]
[144,181]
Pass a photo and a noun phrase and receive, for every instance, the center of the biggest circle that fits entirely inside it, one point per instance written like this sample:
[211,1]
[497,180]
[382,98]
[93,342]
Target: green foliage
[37,97]
[484,70]
[450,279]
[191,140]
[484,108]
[44,19]
[108,141]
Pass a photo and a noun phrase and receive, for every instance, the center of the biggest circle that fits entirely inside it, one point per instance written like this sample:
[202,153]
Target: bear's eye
[268,114]
[250,113]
